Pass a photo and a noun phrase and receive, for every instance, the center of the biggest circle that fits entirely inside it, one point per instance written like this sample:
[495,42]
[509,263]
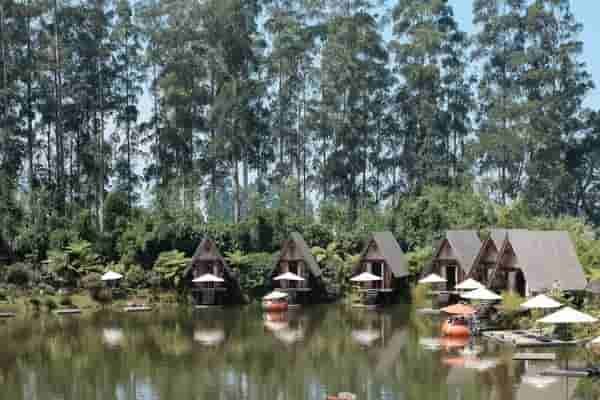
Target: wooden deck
[429,311]
[207,306]
[137,308]
[365,306]
[67,311]
[7,315]
[524,339]
[535,356]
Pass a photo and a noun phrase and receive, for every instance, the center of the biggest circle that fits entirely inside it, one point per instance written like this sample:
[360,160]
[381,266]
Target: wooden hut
[208,260]
[487,257]
[295,257]
[532,262]
[455,255]
[383,257]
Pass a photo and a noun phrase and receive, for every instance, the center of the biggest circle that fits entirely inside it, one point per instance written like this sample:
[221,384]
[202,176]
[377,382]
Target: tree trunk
[30,134]
[58,123]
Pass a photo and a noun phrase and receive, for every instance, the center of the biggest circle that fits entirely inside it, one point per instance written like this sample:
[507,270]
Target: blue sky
[586,12]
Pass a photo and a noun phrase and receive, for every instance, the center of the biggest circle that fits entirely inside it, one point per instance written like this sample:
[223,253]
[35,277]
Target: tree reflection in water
[240,353]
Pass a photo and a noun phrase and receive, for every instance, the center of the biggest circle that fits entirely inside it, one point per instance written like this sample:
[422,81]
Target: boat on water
[275,302]
[457,324]
[456,327]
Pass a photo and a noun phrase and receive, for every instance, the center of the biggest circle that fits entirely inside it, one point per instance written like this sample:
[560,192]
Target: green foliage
[65,301]
[421,219]
[337,267]
[418,259]
[420,295]
[18,274]
[254,271]
[103,295]
[171,265]
[511,314]
[35,303]
[511,302]
[75,261]
[136,277]
[50,304]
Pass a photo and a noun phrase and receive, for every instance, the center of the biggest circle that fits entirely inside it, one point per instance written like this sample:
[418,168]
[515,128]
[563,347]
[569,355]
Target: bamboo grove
[213,104]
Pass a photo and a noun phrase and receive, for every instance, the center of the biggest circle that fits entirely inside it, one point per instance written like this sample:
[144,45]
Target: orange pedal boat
[455,328]
[275,302]
[274,306]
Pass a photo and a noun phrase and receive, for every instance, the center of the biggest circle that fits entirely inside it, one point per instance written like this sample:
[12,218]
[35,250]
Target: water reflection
[245,354]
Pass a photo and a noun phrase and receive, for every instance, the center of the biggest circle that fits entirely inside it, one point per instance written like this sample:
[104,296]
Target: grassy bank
[23,302]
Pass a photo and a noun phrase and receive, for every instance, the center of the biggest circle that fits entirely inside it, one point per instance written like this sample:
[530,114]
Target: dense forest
[139,125]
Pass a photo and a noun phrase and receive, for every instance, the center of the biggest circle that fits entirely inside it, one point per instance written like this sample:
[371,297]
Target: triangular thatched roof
[207,250]
[465,246]
[546,257]
[390,250]
[303,250]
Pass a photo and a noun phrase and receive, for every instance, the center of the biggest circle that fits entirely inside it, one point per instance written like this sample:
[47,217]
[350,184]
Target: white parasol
[208,278]
[481,294]
[469,284]
[432,278]
[541,302]
[111,276]
[568,315]
[288,276]
[365,277]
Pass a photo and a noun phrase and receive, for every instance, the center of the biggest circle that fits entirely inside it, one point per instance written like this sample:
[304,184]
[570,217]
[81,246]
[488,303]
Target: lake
[240,353]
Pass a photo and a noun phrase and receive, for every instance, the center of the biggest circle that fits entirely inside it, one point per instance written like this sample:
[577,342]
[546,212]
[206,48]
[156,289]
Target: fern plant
[76,260]
[171,266]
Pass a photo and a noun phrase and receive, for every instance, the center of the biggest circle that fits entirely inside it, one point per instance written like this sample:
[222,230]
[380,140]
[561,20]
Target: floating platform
[429,311]
[207,306]
[535,356]
[575,373]
[365,306]
[7,315]
[66,311]
[137,308]
[526,339]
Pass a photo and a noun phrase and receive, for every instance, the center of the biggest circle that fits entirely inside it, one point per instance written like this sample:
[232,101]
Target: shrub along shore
[152,247]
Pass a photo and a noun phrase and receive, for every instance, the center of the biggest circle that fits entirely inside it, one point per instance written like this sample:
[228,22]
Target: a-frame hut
[383,257]
[532,262]
[455,255]
[208,260]
[487,257]
[295,257]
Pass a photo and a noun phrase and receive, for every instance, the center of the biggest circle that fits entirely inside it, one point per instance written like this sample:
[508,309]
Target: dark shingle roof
[465,245]
[208,250]
[392,253]
[545,257]
[305,252]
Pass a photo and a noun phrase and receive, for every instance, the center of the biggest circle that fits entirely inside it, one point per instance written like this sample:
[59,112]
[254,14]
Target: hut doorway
[451,276]
[516,282]
[378,269]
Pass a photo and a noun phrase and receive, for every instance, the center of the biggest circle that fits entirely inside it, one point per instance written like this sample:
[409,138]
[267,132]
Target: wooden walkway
[7,315]
[66,311]
[524,339]
[534,356]
[137,308]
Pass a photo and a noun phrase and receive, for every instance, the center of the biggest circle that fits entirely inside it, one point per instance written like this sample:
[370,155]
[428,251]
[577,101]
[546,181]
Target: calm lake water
[243,354]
